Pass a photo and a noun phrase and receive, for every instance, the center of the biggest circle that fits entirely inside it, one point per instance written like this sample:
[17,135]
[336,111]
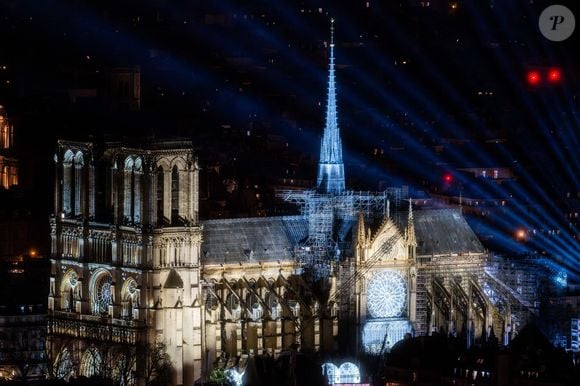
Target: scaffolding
[445,283]
[349,283]
[521,276]
[322,211]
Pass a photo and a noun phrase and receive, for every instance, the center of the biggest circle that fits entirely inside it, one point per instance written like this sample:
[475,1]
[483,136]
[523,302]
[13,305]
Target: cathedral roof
[438,232]
[252,239]
[442,232]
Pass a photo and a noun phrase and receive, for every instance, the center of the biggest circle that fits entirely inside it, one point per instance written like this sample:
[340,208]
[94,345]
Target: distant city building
[23,319]
[8,163]
[22,333]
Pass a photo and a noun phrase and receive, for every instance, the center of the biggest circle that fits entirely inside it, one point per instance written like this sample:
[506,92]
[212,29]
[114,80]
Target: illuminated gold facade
[8,164]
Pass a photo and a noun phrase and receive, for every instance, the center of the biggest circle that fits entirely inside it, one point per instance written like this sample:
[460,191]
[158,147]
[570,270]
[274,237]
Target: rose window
[387,294]
[104,293]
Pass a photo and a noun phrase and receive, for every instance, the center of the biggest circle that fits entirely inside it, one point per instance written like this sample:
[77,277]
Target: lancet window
[133,171]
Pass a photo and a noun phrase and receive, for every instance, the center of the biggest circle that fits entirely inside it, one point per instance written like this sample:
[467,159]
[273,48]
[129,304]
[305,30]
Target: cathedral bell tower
[125,252]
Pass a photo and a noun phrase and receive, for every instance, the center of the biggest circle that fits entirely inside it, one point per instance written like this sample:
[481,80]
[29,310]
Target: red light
[534,78]
[448,178]
[554,75]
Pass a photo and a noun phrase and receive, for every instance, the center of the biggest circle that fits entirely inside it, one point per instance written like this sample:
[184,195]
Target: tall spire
[410,231]
[330,166]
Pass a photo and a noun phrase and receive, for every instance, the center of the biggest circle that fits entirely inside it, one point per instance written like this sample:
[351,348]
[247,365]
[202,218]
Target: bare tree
[157,365]
[115,363]
[59,363]
[124,367]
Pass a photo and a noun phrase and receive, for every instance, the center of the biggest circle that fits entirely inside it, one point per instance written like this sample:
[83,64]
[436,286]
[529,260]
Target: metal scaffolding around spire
[330,203]
[330,166]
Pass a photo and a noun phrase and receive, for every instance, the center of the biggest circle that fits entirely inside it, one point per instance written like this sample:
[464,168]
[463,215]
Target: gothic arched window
[211,302]
[137,173]
[132,189]
[129,294]
[68,290]
[160,192]
[254,306]
[79,162]
[91,362]
[233,304]
[73,201]
[273,305]
[67,181]
[174,193]
[63,365]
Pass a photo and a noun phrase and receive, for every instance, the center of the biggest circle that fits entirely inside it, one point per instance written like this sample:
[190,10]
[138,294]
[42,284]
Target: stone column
[278,347]
[316,320]
[57,187]
[91,189]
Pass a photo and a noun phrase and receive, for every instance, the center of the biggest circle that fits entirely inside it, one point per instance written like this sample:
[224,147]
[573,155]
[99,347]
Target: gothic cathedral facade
[125,246]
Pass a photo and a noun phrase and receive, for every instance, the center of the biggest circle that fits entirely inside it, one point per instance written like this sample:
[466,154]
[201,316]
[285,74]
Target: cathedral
[135,268]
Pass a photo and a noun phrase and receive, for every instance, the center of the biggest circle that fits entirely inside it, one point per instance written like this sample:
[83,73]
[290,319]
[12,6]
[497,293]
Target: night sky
[422,91]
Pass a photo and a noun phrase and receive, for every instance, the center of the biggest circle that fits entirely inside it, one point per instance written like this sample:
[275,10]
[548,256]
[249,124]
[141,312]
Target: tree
[217,377]
[157,365]
[125,366]
[59,363]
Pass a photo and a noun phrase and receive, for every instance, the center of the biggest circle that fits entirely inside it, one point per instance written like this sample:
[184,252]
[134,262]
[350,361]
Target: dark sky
[426,88]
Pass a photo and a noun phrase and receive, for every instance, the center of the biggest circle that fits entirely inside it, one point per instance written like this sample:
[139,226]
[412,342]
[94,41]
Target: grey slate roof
[251,239]
[443,231]
[438,231]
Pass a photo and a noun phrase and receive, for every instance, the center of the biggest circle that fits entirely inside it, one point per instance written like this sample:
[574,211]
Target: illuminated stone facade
[125,259]
[8,164]
[132,266]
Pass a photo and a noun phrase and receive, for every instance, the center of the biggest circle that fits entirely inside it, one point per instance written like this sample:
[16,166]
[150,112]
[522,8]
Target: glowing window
[349,373]
[378,336]
[102,292]
[91,362]
[331,372]
[387,294]
[63,365]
